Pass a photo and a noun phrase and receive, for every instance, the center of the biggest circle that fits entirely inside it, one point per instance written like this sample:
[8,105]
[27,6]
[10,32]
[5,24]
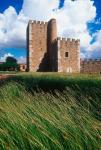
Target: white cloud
[21,60]
[94,50]
[12,28]
[39,9]
[72,21]
[3,58]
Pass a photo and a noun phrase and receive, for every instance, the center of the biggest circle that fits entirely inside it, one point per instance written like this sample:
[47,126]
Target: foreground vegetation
[50,112]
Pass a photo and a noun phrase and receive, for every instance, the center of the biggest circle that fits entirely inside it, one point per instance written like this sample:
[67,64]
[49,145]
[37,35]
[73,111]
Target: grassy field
[50,112]
[8,72]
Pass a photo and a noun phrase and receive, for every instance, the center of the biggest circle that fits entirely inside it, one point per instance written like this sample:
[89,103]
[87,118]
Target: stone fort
[48,53]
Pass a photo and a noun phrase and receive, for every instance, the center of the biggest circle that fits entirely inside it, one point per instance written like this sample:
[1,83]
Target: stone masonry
[91,66]
[48,53]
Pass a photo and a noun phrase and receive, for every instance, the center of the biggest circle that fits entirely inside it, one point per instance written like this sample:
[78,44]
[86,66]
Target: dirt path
[5,76]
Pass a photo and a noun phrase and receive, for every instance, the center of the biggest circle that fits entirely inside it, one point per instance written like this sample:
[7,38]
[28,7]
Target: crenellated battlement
[67,40]
[90,65]
[90,60]
[38,22]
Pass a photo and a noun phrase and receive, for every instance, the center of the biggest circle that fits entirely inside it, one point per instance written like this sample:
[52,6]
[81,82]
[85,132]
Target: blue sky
[17,4]
[93,28]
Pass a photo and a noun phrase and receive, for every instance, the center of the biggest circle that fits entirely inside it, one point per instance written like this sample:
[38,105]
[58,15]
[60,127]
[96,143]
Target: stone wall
[91,66]
[37,46]
[68,55]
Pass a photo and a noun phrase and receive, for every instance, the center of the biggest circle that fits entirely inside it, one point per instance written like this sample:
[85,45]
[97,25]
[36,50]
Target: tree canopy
[10,59]
[9,65]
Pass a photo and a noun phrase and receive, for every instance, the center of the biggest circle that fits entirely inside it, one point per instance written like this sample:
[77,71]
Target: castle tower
[37,46]
[46,52]
[68,55]
[52,44]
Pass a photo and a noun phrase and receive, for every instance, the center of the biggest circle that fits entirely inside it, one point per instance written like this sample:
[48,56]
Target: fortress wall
[37,45]
[68,55]
[91,66]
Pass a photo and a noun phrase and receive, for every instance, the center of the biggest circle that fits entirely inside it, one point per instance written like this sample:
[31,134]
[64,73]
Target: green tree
[10,59]
[9,65]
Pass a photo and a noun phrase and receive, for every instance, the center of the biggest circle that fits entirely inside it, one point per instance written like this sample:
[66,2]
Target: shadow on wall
[44,65]
[49,60]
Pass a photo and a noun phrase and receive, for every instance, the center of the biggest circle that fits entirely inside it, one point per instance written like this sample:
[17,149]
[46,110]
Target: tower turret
[52,46]
[52,30]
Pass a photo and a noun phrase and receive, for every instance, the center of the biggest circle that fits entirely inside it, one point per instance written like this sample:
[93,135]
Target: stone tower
[52,44]
[37,46]
[47,52]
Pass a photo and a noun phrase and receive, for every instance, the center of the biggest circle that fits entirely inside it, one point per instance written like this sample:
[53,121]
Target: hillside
[51,112]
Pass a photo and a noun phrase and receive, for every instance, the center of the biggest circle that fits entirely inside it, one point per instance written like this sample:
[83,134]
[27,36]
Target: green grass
[9,72]
[50,112]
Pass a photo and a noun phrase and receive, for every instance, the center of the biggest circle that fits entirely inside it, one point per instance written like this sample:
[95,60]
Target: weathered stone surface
[46,52]
[91,66]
